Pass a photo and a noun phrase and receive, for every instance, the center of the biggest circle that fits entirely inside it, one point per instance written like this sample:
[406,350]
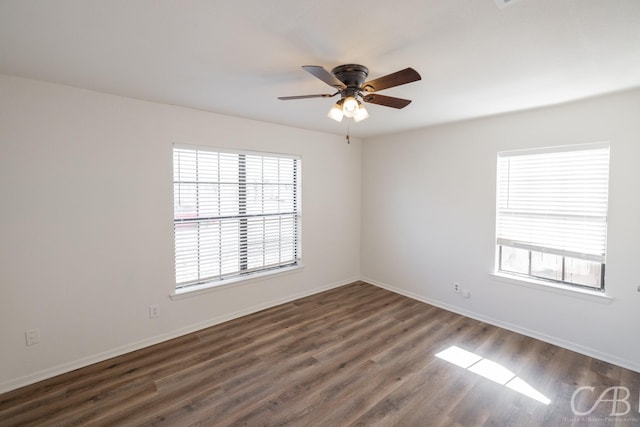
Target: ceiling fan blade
[322,74]
[324,95]
[387,101]
[398,78]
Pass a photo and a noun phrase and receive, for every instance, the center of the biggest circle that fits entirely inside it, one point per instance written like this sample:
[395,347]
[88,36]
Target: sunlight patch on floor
[490,370]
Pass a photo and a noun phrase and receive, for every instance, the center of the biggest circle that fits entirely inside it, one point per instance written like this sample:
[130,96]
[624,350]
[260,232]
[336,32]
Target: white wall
[428,204]
[86,223]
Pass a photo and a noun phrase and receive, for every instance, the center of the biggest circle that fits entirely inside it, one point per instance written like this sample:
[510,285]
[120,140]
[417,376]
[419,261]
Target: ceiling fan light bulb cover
[361,114]
[350,106]
[336,113]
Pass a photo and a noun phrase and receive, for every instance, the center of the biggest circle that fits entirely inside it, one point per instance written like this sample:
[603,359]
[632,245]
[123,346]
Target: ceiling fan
[349,81]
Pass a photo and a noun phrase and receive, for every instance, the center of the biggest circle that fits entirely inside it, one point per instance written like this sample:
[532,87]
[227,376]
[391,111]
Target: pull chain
[348,125]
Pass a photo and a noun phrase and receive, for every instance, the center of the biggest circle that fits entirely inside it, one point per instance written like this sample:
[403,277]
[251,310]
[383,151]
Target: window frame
[529,276]
[243,273]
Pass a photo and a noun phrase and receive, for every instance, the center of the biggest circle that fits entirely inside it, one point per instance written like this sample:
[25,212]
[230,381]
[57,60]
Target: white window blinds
[555,200]
[235,213]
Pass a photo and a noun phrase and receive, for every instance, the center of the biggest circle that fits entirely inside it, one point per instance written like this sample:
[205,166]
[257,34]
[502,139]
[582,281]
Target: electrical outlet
[456,286]
[154,311]
[32,336]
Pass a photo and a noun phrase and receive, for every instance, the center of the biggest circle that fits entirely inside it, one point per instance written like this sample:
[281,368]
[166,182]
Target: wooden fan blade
[324,95]
[322,74]
[398,78]
[387,101]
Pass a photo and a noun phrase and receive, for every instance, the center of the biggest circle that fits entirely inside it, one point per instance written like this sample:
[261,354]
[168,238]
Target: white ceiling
[237,57]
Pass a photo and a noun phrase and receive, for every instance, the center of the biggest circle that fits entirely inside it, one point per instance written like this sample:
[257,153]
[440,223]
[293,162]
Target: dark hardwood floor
[357,355]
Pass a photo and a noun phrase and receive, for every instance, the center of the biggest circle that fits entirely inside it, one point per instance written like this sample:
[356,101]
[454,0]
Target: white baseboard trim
[569,345]
[89,360]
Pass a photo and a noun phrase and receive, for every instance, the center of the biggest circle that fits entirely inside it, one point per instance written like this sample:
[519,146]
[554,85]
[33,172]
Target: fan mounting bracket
[352,75]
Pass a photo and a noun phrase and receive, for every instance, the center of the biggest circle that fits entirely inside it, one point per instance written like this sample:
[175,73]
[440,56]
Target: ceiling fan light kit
[349,81]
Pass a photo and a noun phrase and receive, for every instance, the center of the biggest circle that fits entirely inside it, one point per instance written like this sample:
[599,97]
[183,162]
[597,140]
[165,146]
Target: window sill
[205,288]
[586,294]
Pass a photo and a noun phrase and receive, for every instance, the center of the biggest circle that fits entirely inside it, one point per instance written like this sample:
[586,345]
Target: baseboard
[89,360]
[587,351]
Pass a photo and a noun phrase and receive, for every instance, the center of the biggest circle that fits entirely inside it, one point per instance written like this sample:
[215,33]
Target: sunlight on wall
[491,370]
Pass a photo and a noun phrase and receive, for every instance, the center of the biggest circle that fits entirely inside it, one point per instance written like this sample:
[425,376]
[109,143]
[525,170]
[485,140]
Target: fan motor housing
[352,75]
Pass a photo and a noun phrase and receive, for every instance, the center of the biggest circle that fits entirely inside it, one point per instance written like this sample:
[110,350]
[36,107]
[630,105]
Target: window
[235,214]
[552,214]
